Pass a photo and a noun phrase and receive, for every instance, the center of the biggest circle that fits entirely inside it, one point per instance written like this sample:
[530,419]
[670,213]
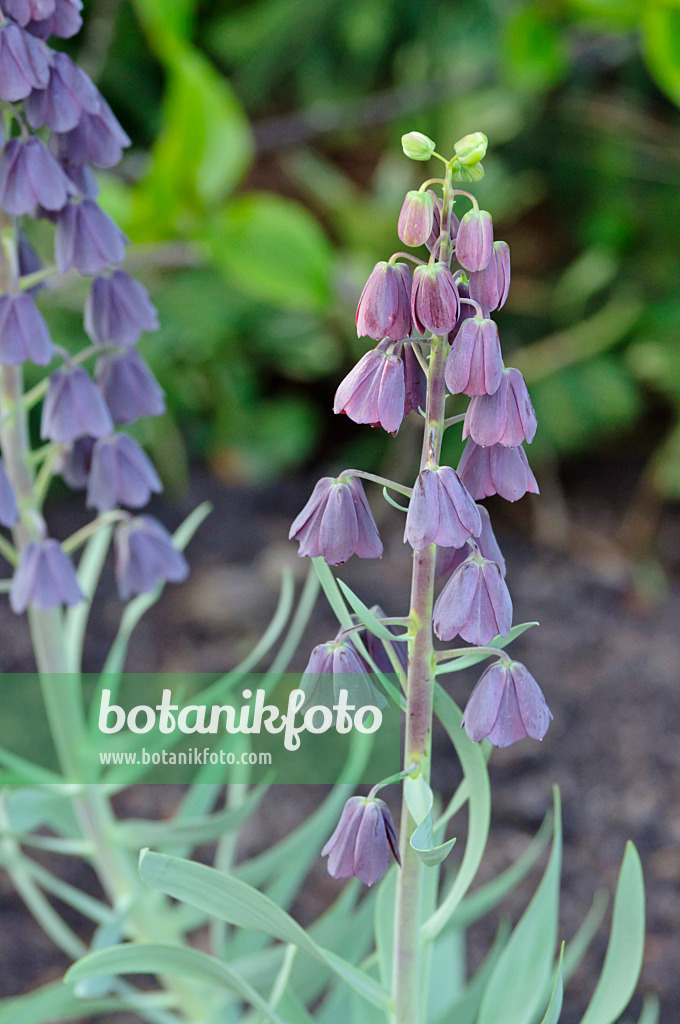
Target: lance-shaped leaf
[420,800]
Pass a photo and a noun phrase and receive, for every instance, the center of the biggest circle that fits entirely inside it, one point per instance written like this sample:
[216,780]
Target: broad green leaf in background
[516,986]
[623,959]
[274,250]
[534,49]
[661,45]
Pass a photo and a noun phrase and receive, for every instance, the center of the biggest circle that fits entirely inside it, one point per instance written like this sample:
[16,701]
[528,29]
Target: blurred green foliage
[266,179]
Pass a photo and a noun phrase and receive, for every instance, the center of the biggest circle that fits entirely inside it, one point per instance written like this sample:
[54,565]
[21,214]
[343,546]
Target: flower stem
[407,947]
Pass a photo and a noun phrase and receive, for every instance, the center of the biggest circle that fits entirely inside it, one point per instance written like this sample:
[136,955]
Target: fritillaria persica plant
[393,953]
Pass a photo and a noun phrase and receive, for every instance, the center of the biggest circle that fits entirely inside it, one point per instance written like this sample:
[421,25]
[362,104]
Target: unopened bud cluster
[56,126]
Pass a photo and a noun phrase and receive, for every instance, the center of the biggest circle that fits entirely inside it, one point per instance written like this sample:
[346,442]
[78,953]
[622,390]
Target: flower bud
[435,304]
[363,841]
[471,148]
[417,146]
[474,241]
[506,705]
[416,218]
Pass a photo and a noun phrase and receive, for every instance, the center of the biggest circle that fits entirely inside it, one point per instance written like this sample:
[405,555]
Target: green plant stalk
[420,687]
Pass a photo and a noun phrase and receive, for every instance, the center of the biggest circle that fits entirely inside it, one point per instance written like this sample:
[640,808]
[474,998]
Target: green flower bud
[417,146]
[460,172]
[471,148]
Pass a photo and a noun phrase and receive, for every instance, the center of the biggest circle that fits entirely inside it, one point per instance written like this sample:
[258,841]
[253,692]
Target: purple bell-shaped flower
[30,177]
[129,387]
[145,555]
[475,365]
[416,218]
[496,470]
[23,11]
[364,841]
[23,332]
[335,666]
[337,523]
[507,417]
[75,462]
[374,391]
[506,705]
[24,63]
[8,504]
[87,239]
[440,511]
[97,139]
[45,578]
[448,559]
[384,309]
[475,603]
[474,240]
[121,474]
[68,93]
[435,304]
[118,309]
[64,22]
[489,287]
[73,407]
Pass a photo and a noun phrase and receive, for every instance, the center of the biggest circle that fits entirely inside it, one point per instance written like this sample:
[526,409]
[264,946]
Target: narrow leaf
[552,1014]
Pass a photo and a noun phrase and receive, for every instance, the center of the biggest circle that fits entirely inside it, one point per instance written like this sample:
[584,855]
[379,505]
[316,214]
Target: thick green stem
[407,948]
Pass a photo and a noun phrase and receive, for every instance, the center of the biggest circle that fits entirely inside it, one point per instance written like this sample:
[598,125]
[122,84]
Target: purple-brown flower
[97,139]
[335,666]
[118,309]
[416,218]
[337,523]
[415,380]
[440,511]
[129,387]
[30,177]
[434,300]
[23,11]
[65,21]
[374,391]
[87,239]
[68,93]
[145,555]
[489,287]
[474,240]
[448,559]
[8,505]
[363,842]
[23,332]
[45,578]
[496,470]
[475,603]
[121,474]
[506,705]
[507,417]
[437,221]
[73,407]
[475,365]
[384,309]
[24,63]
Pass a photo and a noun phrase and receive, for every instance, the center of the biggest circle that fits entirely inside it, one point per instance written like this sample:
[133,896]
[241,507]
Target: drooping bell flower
[363,842]
[23,332]
[416,218]
[73,407]
[64,22]
[475,365]
[335,666]
[384,309]
[440,511]
[30,177]
[97,139]
[474,240]
[23,11]
[434,300]
[118,309]
[448,559]
[376,648]
[145,555]
[68,93]
[507,417]
[121,474]
[24,63]
[8,504]
[129,387]
[87,239]
[374,391]
[474,604]
[75,462]
[45,578]
[337,523]
[496,470]
[506,705]
[489,287]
